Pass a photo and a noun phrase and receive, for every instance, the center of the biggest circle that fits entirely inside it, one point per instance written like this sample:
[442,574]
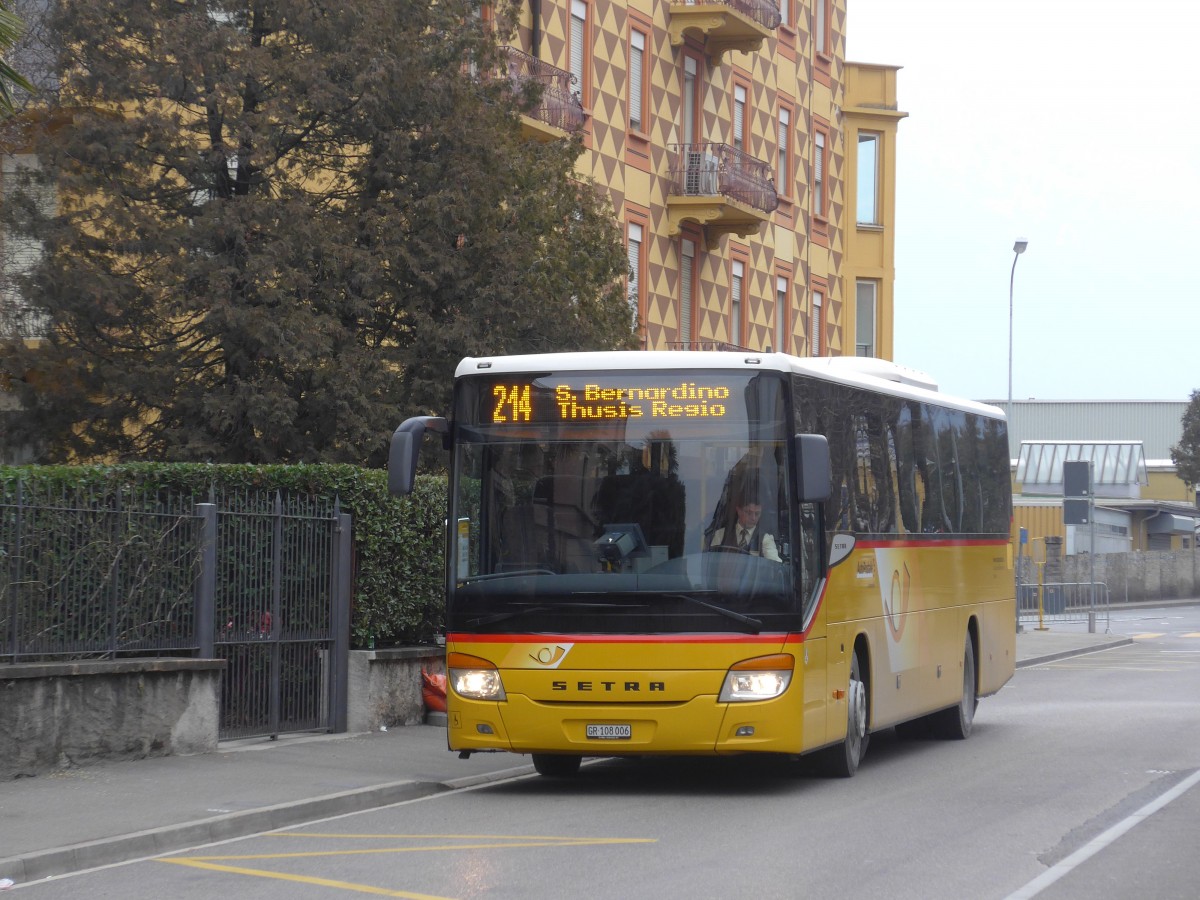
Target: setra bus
[687,553]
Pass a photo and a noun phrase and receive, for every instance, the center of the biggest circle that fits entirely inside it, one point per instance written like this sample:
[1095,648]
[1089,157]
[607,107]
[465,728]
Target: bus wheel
[842,761]
[554,766]
[955,723]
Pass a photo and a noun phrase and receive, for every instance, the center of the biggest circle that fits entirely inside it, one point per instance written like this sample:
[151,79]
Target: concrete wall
[1140,577]
[385,686]
[58,715]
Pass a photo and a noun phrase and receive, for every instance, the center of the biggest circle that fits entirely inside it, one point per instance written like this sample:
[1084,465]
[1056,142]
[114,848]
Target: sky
[1070,124]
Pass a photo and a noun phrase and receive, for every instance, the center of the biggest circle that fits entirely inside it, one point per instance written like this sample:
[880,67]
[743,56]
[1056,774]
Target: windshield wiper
[515,573]
[526,610]
[753,626]
[504,616]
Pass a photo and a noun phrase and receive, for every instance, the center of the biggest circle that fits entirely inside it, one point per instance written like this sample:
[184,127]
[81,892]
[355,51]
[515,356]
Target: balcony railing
[764,12]
[711,170]
[559,106]
[724,24]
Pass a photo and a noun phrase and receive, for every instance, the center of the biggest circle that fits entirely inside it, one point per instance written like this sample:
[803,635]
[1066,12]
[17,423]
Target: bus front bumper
[701,726]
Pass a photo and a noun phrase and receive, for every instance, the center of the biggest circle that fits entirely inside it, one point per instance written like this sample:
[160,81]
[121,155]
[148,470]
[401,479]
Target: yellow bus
[705,553]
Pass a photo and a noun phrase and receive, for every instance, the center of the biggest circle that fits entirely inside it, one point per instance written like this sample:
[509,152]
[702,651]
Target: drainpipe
[535,40]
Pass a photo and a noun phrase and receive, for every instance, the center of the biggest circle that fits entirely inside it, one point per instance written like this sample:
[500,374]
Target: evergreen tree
[281,223]
[10,32]
[1186,454]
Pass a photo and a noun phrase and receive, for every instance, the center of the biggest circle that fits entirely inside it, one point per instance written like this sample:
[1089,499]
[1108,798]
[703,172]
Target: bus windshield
[647,502]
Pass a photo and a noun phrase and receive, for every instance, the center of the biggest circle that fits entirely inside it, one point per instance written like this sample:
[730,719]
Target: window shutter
[637,52]
[578,41]
[687,270]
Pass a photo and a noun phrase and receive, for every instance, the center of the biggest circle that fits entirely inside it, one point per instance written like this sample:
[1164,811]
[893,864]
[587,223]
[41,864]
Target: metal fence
[262,581]
[1067,601]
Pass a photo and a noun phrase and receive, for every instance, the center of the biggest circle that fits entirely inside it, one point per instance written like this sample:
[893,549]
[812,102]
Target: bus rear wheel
[843,760]
[955,723]
[552,765]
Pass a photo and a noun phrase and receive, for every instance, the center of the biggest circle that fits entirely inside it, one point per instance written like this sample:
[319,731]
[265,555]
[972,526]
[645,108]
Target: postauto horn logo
[549,657]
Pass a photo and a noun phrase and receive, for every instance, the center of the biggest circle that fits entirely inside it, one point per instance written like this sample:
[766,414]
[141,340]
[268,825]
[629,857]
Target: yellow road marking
[1193,634]
[1148,635]
[514,844]
[450,837]
[476,842]
[303,879]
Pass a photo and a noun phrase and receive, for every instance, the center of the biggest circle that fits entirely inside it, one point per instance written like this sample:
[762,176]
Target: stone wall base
[59,715]
[385,686]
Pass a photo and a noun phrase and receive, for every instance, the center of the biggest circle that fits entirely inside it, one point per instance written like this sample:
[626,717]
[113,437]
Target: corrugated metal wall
[1158,424]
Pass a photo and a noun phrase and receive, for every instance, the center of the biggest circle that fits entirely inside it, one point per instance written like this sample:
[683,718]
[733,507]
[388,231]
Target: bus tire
[554,765]
[842,760]
[955,723]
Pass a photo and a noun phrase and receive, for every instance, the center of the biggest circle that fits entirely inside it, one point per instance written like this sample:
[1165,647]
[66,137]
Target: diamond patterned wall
[785,239]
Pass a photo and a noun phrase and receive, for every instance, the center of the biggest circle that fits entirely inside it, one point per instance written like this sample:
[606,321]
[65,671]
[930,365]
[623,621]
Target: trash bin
[1054,599]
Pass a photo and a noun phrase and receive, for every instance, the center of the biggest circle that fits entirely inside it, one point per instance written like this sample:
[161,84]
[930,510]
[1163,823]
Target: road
[1080,781]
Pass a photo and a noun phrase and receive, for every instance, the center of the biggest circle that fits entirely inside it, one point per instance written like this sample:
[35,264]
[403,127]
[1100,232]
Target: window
[691,98]
[579,51]
[739,117]
[822,183]
[687,287]
[783,340]
[783,175]
[821,26]
[864,341]
[637,80]
[905,467]
[634,236]
[818,205]
[736,285]
[867,182]
[817,345]
[20,254]
[785,13]
[823,41]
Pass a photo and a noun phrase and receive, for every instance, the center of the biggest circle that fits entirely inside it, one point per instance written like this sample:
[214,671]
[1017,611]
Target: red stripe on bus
[772,638]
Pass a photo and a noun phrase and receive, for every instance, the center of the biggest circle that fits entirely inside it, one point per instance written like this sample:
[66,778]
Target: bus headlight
[761,678]
[474,678]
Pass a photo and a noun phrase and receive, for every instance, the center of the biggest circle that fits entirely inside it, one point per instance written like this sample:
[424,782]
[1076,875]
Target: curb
[1066,654]
[74,858]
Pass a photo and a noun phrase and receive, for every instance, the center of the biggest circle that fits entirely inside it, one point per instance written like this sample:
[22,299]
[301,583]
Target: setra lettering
[611,687]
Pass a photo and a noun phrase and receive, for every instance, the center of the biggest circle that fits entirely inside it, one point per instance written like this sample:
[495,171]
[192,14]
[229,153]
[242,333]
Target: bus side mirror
[405,450]
[812,464]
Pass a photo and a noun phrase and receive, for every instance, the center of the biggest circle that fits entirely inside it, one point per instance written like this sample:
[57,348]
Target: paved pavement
[80,818]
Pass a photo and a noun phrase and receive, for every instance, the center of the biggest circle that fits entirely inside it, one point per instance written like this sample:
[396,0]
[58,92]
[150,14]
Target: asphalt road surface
[1080,781]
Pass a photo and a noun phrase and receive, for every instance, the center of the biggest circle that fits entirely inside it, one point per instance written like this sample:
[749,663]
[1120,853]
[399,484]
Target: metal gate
[279,582]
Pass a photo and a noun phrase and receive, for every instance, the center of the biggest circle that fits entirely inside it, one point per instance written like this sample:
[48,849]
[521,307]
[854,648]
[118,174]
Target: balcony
[559,112]
[724,24]
[721,188]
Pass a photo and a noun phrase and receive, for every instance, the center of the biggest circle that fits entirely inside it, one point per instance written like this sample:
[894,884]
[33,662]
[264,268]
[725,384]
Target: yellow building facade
[751,167]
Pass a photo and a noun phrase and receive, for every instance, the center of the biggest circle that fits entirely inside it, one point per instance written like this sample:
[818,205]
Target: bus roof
[879,375]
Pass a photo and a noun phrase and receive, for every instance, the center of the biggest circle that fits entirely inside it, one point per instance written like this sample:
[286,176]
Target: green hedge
[398,542]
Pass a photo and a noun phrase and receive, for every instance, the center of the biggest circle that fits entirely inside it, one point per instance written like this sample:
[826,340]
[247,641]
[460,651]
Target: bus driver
[746,535]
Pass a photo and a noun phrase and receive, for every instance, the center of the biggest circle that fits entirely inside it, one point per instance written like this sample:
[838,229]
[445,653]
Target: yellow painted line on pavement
[1193,634]
[302,879]
[1145,636]
[447,837]
[507,844]
[475,842]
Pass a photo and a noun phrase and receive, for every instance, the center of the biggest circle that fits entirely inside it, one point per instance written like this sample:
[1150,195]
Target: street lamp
[1018,248]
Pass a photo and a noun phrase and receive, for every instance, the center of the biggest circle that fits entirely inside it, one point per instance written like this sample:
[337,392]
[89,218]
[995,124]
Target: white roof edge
[1037,400]
[868,372]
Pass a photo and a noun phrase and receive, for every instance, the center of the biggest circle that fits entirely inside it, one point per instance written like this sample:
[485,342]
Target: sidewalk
[81,818]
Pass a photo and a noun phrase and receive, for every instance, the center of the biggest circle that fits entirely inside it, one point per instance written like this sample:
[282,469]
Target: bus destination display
[522,402]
